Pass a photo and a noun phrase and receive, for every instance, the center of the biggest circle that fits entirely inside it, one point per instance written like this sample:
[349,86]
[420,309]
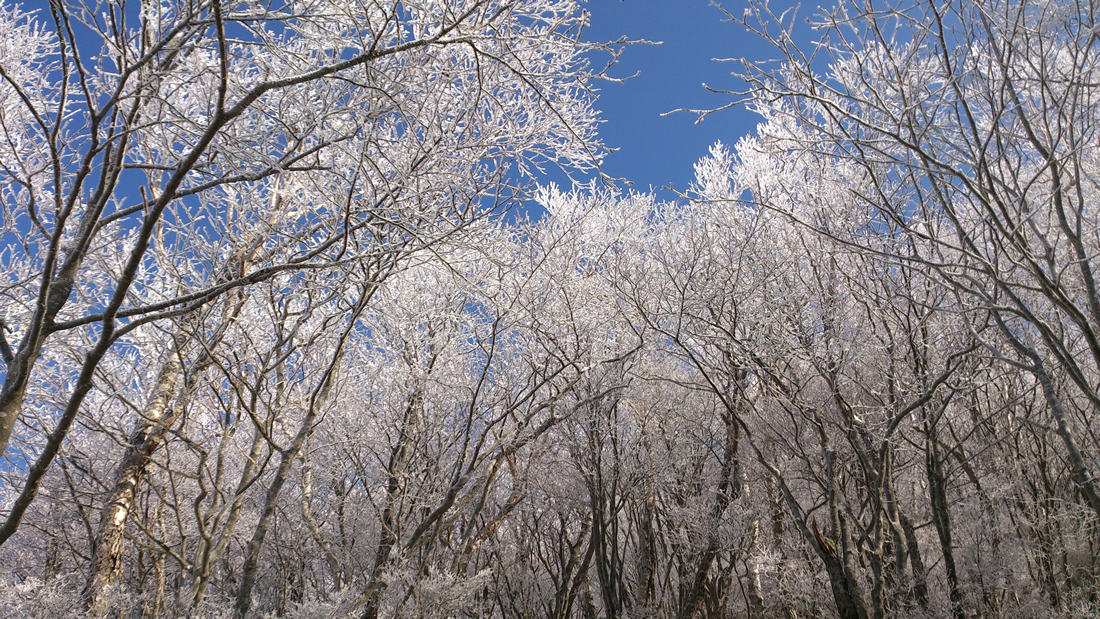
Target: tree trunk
[314,529]
[388,535]
[836,552]
[211,552]
[157,416]
[647,553]
[920,574]
[252,554]
[729,488]
[1077,459]
[755,595]
[573,573]
[937,490]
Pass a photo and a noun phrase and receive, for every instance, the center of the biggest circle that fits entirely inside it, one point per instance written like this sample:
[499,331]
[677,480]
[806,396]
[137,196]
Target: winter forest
[292,324]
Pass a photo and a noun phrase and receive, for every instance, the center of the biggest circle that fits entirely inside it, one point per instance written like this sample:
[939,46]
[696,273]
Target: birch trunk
[157,416]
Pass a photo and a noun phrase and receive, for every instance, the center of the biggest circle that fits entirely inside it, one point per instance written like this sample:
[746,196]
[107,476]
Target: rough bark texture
[107,555]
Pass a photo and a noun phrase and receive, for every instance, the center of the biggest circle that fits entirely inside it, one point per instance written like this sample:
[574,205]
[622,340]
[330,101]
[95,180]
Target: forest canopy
[281,334]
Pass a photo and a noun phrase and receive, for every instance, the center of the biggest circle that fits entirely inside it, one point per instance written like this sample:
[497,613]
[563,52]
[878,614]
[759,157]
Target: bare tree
[972,126]
[352,122]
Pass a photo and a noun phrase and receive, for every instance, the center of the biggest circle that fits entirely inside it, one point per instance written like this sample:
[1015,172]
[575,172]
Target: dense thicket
[269,351]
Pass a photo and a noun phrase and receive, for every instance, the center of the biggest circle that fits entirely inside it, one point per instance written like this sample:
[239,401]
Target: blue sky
[658,151]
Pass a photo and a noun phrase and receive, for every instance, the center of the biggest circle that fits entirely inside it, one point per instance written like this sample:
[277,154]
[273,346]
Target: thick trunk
[573,573]
[159,414]
[920,574]
[605,530]
[647,553]
[846,592]
[836,552]
[107,555]
[851,572]
[755,595]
